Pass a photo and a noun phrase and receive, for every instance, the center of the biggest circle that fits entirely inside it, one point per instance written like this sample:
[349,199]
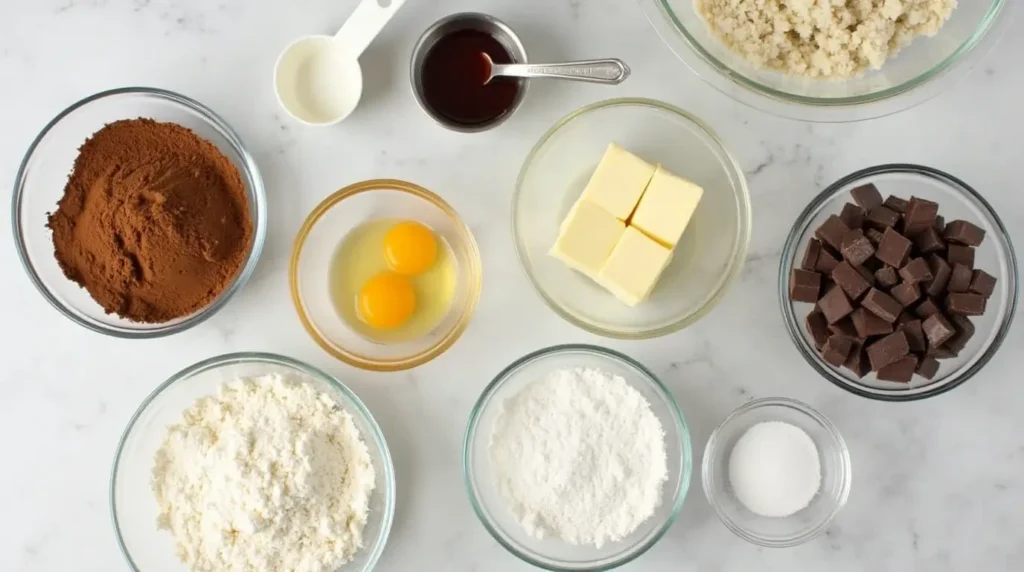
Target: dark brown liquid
[454,72]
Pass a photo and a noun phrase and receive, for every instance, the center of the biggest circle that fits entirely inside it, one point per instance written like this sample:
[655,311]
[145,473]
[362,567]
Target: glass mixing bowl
[132,504]
[315,245]
[920,71]
[710,254]
[956,200]
[553,554]
[44,172]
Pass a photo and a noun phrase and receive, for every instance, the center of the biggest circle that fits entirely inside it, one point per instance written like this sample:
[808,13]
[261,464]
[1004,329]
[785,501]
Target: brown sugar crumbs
[154,222]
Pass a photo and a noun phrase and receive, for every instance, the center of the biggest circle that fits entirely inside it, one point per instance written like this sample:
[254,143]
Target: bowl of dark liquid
[449,73]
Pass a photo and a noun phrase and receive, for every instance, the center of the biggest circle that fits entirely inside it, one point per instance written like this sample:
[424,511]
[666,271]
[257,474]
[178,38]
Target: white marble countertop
[937,483]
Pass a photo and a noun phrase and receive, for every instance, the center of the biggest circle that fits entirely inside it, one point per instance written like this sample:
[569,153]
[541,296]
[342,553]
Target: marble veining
[937,484]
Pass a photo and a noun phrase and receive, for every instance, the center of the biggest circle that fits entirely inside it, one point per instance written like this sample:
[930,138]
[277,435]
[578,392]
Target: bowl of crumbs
[898,282]
[252,461]
[138,213]
[829,61]
[631,218]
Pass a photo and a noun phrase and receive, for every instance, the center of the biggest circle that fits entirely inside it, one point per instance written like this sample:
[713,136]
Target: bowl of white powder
[829,61]
[252,461]
[576,458]
[777,472]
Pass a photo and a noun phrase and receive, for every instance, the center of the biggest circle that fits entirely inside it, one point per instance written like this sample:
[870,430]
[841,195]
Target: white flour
[268,475]
[579,456]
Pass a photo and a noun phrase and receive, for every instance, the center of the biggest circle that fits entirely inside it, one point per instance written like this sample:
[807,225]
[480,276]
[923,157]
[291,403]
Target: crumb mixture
[825,39]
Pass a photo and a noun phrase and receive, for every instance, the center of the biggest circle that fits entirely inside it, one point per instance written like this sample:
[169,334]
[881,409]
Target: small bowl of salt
[777,472]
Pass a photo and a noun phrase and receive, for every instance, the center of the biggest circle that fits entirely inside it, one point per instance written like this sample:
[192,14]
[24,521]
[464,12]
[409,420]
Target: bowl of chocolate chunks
[898,282]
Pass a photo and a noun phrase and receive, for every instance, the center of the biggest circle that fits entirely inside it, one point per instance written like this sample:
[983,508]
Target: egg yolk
[410,248]
[386,301]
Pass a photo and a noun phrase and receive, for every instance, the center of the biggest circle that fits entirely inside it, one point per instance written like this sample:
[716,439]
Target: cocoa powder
[154,221]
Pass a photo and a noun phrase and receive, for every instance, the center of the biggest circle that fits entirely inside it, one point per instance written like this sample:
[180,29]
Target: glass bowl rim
[711,451]
[685,452]
[258,197]
[744,223]
[465,312]
[800,227]
[804,108]
[359,407]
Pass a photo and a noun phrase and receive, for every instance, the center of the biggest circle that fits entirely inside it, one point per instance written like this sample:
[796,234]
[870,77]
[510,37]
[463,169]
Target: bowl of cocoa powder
[138,213]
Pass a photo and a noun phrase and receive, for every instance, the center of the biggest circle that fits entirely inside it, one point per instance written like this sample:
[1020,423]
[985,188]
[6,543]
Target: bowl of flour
[576,457]
[252,461]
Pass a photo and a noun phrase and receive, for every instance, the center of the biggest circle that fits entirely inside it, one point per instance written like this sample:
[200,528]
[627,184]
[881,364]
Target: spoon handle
[365,22]
[608,71]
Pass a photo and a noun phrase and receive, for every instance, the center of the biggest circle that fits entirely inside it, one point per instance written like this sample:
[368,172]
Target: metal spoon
[608,71]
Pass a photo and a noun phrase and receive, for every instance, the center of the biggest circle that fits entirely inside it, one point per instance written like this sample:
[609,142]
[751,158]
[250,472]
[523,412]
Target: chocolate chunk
[929,241]
[874,235]
[940,224]
[941,352]
[960,279]
[927,367]
[852,215]
[886,277]
[941,271]
[867,324]
[882,218]
[835,305]
[867,274]
[857,361]
[804,285]
[905,317]
[895,203]
[826,261]
[965,304]
[963,232]
[882,305]
[844,327]
[917,270]
[810,258]
[900,371]
[937,329]
[832,231]
[893,249]
[867,196]
[817,328]
[964,332]
[906,293]
[888,350]
[850,280]
[983,283]
[919,217]
[926,309]
[836,350]
[857,249]
[956,253]
[915,335]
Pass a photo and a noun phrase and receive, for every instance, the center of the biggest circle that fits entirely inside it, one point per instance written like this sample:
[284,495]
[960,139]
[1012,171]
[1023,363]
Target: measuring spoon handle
[608,71]
[366,21]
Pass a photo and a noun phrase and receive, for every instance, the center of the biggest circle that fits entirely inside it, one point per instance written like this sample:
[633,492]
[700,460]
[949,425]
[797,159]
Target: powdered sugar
[580,456]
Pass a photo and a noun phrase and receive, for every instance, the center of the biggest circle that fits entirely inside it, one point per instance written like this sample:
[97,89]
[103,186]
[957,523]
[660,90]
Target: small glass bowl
[553,554]
[836,474]
[315,245]
[44,172]
[712,250]
[919,72]
[132,505]
[996,256]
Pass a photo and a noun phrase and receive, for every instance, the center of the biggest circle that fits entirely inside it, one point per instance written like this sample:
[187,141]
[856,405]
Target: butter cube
[618,181]
[666,207]
[587,237]
[634,267]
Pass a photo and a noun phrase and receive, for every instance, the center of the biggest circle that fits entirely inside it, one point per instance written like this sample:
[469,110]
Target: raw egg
[410,248]
[386,301]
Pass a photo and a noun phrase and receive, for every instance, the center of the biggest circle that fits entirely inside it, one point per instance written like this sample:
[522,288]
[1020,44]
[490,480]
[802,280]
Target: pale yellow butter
[587,237]
[667,207]
[618,181]
[634,266]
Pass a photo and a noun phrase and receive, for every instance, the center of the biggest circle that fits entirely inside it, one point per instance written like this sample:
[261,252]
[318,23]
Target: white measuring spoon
[317,78]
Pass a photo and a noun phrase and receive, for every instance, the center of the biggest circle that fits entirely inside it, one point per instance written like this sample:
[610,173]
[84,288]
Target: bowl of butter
[631,218]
